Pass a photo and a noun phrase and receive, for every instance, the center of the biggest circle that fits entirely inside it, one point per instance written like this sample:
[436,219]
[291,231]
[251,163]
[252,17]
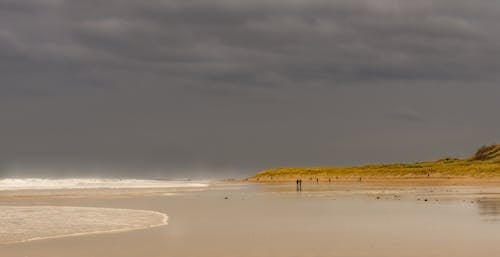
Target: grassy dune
[485,163]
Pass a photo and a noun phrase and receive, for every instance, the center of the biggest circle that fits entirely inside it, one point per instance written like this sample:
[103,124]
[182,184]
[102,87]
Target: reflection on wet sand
[489,208]
[250,220]
[486,199]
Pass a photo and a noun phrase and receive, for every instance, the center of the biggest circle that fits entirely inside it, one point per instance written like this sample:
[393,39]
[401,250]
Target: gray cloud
[179,85]
[407,114]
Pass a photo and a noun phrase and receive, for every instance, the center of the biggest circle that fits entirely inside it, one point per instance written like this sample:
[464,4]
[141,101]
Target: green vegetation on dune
[484,163]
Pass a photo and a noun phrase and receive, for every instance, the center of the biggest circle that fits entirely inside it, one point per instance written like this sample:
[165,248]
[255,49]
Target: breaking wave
[40,183]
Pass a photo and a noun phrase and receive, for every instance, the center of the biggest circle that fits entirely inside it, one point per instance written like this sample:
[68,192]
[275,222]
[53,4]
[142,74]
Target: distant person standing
[298,182]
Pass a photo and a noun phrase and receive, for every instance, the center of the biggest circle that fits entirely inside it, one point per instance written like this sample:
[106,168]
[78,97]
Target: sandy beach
[290,128]
[247,219]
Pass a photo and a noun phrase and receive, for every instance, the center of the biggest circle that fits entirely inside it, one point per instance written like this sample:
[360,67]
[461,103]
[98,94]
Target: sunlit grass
[485,163]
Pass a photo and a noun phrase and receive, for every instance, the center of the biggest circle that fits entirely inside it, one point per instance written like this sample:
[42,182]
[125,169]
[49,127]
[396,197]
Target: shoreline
[324,219]
[164,222]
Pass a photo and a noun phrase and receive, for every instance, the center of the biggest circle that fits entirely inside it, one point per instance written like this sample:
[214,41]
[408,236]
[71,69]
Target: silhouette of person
[297,184]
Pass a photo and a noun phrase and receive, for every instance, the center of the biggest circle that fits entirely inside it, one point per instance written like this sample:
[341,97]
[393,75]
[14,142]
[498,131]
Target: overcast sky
[176,88]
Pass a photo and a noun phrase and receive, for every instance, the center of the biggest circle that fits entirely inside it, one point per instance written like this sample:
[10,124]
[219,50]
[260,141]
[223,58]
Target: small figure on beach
[329,180]
[299,184]
[317,180]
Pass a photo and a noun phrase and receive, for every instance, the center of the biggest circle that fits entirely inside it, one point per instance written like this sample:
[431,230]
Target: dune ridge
[483,164]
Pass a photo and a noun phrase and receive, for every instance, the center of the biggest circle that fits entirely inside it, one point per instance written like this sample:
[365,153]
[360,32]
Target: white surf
[28,223]
[40,183]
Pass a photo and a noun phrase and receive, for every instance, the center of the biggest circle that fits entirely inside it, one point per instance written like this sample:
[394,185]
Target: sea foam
[28,223]
[40,183]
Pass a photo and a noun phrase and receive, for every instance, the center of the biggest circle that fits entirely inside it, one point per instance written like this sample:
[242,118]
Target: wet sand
[337,219]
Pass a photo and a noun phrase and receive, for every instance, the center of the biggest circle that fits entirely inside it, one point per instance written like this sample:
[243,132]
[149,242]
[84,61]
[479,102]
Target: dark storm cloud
[301,40]
[235,84]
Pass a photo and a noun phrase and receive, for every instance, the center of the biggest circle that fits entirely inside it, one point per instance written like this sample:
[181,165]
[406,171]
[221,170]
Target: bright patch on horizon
[39,183]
